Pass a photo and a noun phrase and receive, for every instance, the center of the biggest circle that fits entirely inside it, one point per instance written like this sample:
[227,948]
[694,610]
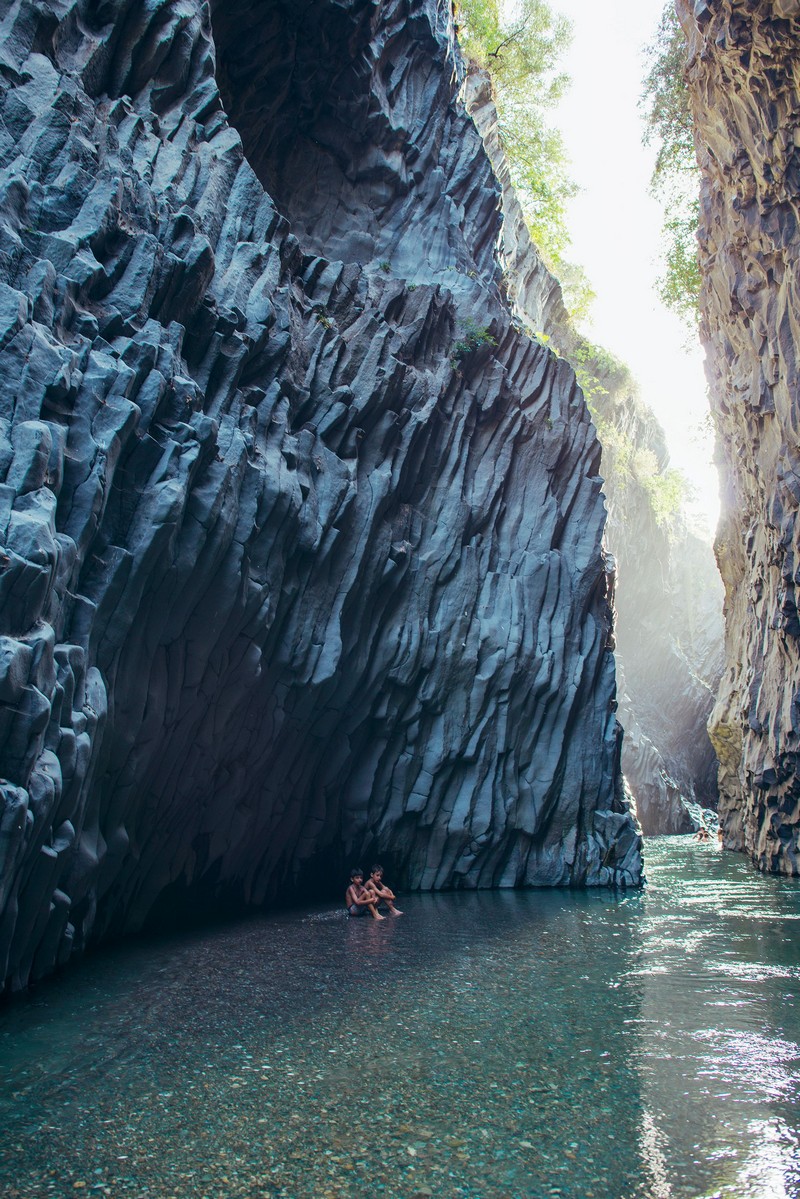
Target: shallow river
[493,1045]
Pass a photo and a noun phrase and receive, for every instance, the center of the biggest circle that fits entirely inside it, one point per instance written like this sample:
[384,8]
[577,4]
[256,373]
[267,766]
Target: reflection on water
[489,1046]
[719,1025]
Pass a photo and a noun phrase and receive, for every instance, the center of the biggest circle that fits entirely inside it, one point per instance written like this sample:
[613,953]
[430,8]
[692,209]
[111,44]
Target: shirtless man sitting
[379,891]
[358,900]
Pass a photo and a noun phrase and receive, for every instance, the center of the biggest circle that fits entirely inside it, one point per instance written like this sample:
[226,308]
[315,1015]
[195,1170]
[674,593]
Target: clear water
[491,1046]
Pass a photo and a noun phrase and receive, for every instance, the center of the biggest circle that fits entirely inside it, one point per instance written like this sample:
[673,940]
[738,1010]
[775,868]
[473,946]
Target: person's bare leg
[388,897]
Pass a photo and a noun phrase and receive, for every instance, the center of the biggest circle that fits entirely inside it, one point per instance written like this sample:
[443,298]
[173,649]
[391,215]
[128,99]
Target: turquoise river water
[576,1045]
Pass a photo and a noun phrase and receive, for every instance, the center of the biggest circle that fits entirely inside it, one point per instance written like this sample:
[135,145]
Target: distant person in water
[358,900]
[378,889]
[702,833]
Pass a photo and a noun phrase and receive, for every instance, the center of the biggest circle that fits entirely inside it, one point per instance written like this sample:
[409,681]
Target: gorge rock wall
[744,79]
[302,536]
[668,630]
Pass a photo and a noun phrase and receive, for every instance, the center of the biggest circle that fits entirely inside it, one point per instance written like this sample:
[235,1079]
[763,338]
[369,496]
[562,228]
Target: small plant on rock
[473,337]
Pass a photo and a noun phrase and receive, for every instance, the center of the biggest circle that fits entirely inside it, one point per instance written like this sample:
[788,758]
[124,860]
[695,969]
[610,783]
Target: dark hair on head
[374,868]
[356,870]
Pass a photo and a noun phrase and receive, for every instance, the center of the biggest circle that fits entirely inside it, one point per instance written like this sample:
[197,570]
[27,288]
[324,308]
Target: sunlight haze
[616,229]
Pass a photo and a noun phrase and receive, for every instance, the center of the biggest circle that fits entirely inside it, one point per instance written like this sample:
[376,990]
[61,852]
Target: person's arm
[365,898]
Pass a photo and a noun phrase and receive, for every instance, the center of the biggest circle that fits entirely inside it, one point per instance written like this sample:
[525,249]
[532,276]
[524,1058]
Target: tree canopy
[521,49]
[675,181]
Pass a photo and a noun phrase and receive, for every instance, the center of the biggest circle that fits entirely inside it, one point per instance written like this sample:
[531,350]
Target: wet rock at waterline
[743,81]
[302,535]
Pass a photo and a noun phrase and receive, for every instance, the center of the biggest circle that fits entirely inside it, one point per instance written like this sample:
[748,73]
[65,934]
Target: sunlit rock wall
[669,596]
[302,537]
[669,626]
[744,79]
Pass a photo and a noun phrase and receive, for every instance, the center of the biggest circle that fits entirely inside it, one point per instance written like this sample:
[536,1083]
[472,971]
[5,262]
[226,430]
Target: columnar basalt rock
[744,80]
[302,536]
[532,290]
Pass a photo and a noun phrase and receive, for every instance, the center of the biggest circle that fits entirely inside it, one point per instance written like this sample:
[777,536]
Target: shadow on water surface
[547,1043]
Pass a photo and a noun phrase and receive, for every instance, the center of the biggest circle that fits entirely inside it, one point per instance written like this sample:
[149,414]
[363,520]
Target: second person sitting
[383,894]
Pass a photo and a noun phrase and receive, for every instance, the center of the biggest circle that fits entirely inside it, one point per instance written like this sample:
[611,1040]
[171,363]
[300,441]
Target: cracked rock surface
[301,536]
[744,79]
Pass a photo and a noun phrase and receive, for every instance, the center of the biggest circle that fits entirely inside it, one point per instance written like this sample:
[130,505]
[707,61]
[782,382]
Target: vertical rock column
[744,79]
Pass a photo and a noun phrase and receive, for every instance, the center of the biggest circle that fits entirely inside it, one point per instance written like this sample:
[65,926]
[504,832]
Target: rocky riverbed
[484,1045]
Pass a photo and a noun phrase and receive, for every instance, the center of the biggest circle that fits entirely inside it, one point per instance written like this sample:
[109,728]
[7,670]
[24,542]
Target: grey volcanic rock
[669,630]
[743,83]
[532,290]
[668,594]
[302,536]
[660,804]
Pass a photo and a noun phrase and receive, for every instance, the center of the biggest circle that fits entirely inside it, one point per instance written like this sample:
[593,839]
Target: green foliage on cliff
[472,338]
[608,385]
[520,49]
[675,181]
[668,492]
[598,372]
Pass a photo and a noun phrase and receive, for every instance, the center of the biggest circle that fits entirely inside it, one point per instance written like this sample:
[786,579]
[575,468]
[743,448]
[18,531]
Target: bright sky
[616,227]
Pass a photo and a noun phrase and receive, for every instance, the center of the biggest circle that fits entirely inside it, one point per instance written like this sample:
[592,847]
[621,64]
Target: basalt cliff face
[744,80]
[302,536]
[669,594]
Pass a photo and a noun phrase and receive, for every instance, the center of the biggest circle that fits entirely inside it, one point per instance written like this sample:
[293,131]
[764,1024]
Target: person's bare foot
[379,917]
[396,912]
